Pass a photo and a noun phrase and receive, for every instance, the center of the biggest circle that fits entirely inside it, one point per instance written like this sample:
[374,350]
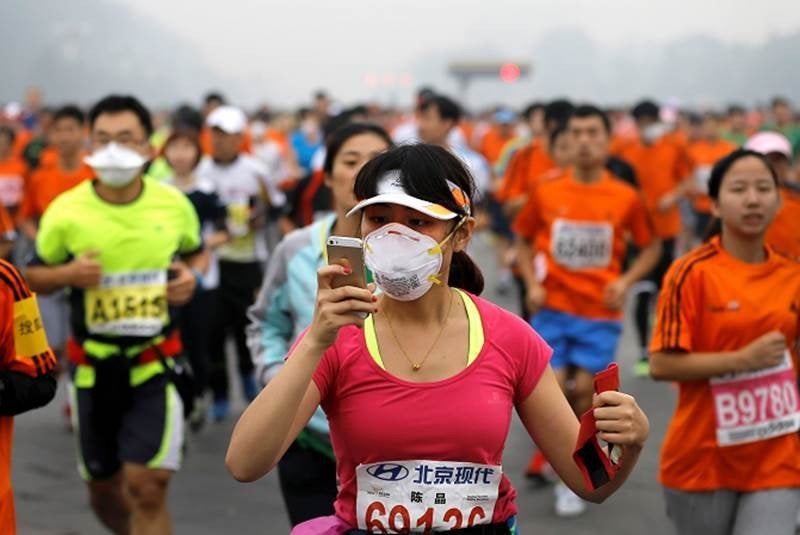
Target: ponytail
[465,273]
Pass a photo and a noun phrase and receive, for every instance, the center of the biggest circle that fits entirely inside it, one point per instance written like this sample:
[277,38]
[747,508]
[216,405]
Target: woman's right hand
[763,352]
[337,307]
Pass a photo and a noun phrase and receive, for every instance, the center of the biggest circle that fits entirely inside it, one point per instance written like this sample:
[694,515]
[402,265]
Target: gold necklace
[417,365]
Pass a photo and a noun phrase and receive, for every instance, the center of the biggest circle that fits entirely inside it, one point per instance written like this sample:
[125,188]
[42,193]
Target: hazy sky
[295,46]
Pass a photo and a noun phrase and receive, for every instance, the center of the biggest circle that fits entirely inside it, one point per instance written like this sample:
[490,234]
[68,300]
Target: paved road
[205,500]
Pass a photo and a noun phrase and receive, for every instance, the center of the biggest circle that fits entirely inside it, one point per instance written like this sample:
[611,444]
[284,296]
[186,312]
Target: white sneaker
[568,504]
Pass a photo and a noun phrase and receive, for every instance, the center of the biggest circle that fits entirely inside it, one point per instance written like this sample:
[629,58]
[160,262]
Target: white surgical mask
[652,132]
[116,166]
[404,262]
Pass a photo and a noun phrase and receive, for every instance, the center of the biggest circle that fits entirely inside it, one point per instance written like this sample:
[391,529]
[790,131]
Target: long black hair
[718,173]
[424,171]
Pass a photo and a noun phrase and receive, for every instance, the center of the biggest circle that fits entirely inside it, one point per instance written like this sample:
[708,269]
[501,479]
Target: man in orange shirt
[68,137]
[67,171]
[661,166]
[703,154]
[13,172]
[26,378]
[211,102]
[577,226]
[533,161]
[784,232]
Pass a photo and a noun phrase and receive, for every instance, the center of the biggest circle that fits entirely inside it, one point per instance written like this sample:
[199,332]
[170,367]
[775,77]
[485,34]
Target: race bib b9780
[756,405]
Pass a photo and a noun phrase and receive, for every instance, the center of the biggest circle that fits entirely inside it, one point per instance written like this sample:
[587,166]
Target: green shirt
[136,242]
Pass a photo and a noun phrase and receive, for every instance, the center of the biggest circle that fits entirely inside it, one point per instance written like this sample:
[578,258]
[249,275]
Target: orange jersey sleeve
[21,324]
[677,304]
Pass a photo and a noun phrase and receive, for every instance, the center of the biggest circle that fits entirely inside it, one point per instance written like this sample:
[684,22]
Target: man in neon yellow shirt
[128,248]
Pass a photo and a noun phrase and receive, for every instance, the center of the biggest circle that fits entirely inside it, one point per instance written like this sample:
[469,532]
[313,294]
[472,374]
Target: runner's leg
[151,448]
[218,369]
[767,512]
[97,425]
[147,489]
[250,282]
[705,513]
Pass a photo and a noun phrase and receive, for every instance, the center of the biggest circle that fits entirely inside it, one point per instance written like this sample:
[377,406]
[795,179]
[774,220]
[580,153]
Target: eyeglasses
[124,140]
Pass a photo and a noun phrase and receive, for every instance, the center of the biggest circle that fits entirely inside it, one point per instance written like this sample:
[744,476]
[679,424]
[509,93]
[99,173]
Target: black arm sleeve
[20,392]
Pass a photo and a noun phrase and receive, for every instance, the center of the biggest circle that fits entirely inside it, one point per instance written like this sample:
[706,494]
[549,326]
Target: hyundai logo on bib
[388,472]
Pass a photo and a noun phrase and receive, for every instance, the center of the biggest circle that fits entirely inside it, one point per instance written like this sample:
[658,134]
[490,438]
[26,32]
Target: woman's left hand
[619,419]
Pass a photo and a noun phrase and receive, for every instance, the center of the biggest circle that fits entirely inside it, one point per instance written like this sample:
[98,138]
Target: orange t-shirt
[48,157]
[784,233]
[660,168]
[582,231]
[13,172]
[702,157]
[13,288]
[712,302]
[525,167]
[280,138]
[492,145]
[47,183]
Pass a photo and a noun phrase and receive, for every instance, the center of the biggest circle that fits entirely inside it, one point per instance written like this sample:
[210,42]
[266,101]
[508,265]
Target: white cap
[390,191]
[229,119]
[769,142]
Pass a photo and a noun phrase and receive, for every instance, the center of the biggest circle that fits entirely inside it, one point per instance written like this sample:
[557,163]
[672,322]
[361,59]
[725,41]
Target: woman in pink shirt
[419,388]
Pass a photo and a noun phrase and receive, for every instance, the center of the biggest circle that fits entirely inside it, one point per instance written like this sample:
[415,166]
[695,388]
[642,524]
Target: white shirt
[241,185]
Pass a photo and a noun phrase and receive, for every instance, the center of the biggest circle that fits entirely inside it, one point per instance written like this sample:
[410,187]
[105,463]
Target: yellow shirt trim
[476,336]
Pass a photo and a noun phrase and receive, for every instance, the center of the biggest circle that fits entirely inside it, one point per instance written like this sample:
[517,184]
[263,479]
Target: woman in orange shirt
[727,332]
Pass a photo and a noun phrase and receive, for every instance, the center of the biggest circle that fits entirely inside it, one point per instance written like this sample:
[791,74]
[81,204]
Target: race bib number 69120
[425,496]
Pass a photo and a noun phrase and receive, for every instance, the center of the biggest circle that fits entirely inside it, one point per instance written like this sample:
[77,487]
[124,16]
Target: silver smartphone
[348,252]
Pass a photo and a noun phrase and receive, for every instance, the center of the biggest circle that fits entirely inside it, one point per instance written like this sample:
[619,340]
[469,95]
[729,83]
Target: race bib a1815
[425,496]
[128,304]
[582,244]
[758,405]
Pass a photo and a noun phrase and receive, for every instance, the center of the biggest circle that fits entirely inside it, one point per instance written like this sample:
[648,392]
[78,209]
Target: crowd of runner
[159,243]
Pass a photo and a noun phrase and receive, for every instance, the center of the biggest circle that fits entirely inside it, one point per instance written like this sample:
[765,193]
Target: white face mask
[405,263]
[651,133]
[116,166]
